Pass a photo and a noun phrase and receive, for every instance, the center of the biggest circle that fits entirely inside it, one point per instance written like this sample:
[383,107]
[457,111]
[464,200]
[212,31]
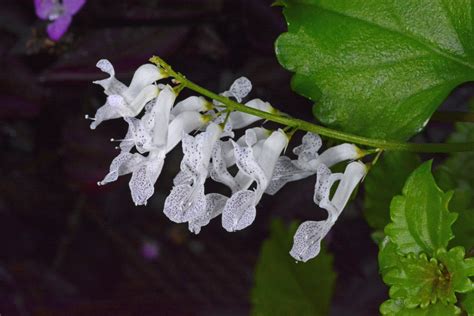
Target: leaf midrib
[427,46]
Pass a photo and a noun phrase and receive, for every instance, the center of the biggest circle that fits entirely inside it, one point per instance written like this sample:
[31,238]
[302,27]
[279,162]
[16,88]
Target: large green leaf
[421,221]
[377,68]
[383,182]
[468,303]
[284,287]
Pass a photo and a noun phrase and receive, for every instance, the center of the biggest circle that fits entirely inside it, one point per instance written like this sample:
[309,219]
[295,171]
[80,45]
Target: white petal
[240,119]
[239,89]
[145,95]
[197,104]
[144,76]
[324,181]
[142,183]
[307,239]
[111,85]
[124,163]
[185,203]
[161,114]
[183,124]
[335,155]
[239,211]
[308,150]
[139,134]
[219,172]
[215,203]
[183,177]
[354,173]
[285,171]
[272,148]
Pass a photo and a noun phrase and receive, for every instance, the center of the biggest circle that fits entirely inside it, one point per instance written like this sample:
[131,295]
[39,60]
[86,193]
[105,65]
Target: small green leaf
[383,182]
[419,281]
[388,256]
[421,221]
[396,308]
[284,287]
[456,174]
[458,269]
[377,68]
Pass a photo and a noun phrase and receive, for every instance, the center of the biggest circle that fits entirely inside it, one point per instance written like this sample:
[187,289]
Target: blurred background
[69,247]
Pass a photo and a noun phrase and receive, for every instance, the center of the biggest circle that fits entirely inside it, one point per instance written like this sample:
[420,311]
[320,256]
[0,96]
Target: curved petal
[308,150]
[240,119]
[185,203]
[334,155]
[239,211]
[307,239]
[144,76]
[142,183]
[354,173]
[239,89]
[215,203]
[58,27]
[124,163]
[219,172]
[161,116]
[183,124]
[285,171]
[193,103]
[111,85]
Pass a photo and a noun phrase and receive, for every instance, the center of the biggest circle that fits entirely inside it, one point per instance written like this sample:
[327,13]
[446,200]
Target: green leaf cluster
[424,275]
[377,68]
[285,287]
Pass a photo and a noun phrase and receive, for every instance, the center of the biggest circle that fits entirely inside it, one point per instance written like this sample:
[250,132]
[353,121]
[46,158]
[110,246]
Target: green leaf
[284,287]
[456,173]
[419,281]
[377,68]
[383,182]
[468,303]
[396,308]
[421,221]
[458,269]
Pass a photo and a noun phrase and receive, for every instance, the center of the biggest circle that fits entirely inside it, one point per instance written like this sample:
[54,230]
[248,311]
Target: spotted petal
[308,150]
[142,183]
[123,164]
[285,171]
[111,85]
[185,203]
[219,172]
[307,239]
[239,211]
[239,89]
[215,202]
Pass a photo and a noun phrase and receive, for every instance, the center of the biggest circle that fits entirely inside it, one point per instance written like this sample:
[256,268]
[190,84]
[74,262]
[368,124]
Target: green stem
[309,127]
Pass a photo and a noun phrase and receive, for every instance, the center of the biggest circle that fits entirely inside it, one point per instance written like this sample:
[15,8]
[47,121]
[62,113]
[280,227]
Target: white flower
[187,200]
[239,211]
[307,239]
[287,170]
[239,89]
[193,103]
[223,158]
[150,135]
[215,203]
[241,120]
[123,101]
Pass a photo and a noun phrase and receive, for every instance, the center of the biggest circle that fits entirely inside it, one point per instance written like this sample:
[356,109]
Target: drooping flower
[146,170]
[60,14]
[187,199]
[307,239]
[287,170]
[123,101]
[240,210]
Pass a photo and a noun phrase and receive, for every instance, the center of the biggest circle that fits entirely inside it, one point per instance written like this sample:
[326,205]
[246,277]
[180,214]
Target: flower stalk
[299,124]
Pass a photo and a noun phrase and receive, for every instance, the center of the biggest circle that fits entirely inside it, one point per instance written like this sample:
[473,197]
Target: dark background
[68,247]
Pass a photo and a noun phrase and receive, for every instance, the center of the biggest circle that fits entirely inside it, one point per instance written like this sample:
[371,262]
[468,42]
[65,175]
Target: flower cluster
[249,166]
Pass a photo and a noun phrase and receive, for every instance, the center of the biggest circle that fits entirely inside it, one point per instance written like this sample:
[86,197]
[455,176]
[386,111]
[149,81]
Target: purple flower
[150,250]
[59,13]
